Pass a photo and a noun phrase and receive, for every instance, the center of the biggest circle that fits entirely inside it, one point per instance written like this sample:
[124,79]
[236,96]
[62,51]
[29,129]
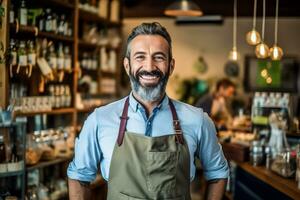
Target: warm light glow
[262,50]
[276,53]
[269,80]
[233,55]
[253,37]
[183,8]
[264,73]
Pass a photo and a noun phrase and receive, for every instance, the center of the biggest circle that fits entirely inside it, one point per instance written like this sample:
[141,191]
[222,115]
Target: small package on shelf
[33,152]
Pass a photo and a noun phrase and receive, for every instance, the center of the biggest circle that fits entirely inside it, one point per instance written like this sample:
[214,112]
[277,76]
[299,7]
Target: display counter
[268,184]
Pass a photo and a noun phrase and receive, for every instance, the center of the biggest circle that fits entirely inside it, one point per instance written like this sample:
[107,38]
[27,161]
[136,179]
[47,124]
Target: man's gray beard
[151,93]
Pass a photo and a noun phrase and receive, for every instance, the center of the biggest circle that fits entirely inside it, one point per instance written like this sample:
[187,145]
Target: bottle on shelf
[51,58]
[54,22]
[22,54]
[48,22]
[11,14]
[23,13]
[31,54]
[2,150]
[13,58]
[68,59]
[60,57]
[42,21]
[61,25]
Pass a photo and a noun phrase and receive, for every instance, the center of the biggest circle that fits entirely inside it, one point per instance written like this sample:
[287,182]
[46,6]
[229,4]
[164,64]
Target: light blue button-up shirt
[96,141]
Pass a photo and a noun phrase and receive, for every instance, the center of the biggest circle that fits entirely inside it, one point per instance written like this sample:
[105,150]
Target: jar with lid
[256,153]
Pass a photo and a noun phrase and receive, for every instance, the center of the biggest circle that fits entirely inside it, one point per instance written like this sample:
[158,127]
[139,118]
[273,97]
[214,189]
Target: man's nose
[149,65]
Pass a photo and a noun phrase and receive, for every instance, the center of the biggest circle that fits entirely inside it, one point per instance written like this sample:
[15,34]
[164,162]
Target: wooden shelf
[32,30]
[284,185]
[43,164]
[51,112]
[8,174]
[88,45]
[58,3]
[107,73]
[87,109]
[92,17]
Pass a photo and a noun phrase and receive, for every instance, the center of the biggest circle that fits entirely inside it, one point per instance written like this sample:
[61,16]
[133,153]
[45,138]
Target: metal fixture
[183,8]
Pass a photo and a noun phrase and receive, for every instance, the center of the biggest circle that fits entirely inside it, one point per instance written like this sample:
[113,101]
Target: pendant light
[233,54]
[276,52]
[253,37]
[262,50]
[183,8]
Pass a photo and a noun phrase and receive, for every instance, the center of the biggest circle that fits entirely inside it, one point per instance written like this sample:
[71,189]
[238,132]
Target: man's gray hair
[153,28]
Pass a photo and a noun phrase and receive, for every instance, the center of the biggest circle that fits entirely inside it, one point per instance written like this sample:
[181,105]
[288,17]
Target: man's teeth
[148,77]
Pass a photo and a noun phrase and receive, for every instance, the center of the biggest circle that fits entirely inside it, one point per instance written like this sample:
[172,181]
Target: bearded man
[146,143]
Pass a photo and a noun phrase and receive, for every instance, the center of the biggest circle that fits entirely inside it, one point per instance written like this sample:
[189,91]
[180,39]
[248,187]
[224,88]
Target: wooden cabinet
[52,96]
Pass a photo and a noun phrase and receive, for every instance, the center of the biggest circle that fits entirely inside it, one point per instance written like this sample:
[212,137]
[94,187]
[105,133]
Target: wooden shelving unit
[77,17]
[50,112]
[92,17]
[33,31]
[43,164]
[8,174]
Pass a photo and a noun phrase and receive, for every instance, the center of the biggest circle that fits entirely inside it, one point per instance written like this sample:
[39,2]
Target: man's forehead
[149,40]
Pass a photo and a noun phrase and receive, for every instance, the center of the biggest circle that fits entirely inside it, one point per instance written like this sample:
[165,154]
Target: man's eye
[139,58]
[159,58]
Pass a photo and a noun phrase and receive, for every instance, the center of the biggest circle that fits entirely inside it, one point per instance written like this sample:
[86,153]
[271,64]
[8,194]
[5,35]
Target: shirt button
[149,123]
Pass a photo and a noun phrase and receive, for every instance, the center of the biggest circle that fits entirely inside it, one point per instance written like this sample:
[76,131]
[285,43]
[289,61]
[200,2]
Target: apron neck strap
[176,123]
[124,119]
[123,123]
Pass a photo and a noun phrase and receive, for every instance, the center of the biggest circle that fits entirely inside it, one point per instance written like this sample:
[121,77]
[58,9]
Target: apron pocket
[127,197]
[161,171]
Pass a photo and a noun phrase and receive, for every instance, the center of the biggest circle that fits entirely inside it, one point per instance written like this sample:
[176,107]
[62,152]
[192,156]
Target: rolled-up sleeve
[210,152]
[85,163]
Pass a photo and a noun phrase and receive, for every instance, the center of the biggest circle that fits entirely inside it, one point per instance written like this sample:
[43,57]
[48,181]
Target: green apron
[149,167]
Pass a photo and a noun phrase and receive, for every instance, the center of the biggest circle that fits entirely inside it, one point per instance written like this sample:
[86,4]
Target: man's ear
[126,65]
[172,66]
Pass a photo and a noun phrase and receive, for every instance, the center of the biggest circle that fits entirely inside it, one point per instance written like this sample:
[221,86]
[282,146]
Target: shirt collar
[134,104]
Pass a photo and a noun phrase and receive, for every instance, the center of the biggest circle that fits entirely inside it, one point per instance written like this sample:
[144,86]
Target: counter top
[284,185]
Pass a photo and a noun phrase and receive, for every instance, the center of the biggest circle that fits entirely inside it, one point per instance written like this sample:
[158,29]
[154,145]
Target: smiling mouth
[149,79]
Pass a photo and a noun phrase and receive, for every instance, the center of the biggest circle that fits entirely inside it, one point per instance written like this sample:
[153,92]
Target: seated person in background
[216,104]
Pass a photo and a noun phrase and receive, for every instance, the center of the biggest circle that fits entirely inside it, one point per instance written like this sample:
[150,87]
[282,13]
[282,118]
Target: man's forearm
[216,189]
[78,191]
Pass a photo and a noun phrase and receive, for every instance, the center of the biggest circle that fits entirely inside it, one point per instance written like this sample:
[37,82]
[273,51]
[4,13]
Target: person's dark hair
[225,83]
[153,28]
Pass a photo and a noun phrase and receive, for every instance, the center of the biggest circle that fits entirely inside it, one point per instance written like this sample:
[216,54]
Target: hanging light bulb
[253,37]
[233,54]
[262,50]
[276,52]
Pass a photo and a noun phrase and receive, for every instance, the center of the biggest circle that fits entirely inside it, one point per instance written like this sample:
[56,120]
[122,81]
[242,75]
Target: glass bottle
[13,52]
[42,20]
[2,150]
[11,14]
[54,23]
[60,57]
[23,13]
[61,25]
[22,54]
[48,23]
[84,60]
[68,59]
[52,60]
[95,61]
[31,54]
